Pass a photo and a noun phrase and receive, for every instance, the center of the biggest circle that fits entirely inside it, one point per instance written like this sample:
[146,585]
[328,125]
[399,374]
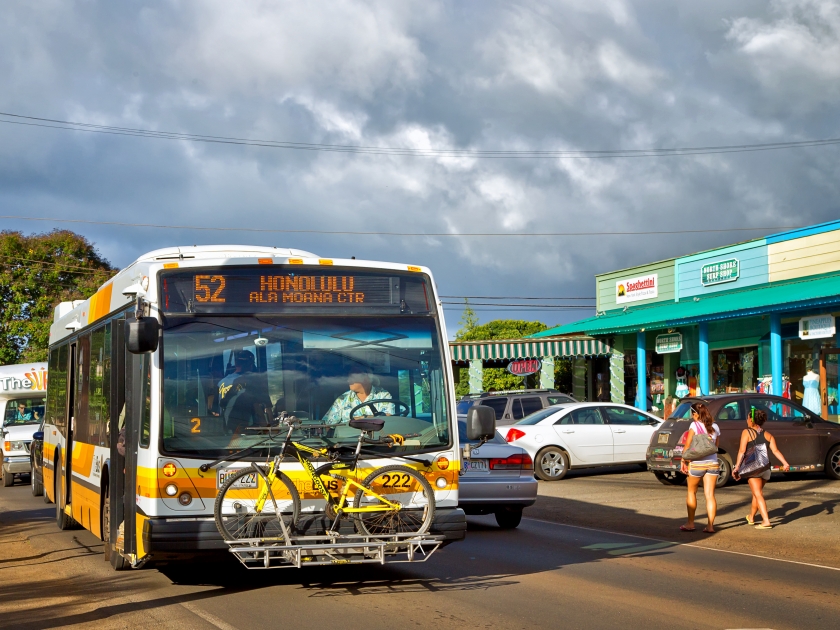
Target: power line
[406,151]
[511,297]
[68,268]
[561,306]
[435,234]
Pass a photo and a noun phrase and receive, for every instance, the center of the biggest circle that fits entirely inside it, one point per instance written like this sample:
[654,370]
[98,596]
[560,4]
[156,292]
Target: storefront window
[802,367]
[734,370]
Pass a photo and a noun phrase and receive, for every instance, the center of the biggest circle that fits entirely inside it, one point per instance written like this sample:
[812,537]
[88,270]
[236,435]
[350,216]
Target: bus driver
[361,390]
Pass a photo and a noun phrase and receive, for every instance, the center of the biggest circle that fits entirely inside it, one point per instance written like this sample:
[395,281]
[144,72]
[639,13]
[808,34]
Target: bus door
[67,455]
[135,401]
[117,462]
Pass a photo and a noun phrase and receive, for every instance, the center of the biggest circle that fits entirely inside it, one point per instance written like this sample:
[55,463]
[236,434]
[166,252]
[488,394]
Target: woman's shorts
[700,469]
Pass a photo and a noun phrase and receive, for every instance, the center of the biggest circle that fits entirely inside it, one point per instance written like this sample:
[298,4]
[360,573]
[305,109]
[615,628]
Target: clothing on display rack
[811,398]
[682,383]
[765,386]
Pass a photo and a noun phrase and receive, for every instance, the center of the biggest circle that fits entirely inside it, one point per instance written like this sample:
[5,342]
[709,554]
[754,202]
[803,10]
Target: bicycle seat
[368,424]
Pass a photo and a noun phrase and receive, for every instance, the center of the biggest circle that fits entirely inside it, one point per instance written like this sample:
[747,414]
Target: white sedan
[578,435]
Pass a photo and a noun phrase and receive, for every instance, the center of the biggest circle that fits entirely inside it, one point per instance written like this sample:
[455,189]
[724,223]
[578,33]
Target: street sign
[672,342]
[721,271]
[524,367]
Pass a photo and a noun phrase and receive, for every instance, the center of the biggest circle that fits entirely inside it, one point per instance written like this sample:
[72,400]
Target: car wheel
[669,477]
[725,474]
[509,518]
[552,464]
[37,486]
[832,462]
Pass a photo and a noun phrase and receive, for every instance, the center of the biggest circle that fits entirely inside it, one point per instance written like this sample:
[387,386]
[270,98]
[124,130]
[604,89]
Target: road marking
[682,544]
[211,619]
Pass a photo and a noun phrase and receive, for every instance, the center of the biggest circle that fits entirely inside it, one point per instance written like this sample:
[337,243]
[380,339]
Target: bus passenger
[361,389]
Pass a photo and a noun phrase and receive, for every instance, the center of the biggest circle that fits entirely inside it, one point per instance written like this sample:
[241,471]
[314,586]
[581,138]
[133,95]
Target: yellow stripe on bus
[100,303]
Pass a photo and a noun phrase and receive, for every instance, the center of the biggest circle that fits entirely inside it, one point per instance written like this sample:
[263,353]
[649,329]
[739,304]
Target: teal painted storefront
[738,309]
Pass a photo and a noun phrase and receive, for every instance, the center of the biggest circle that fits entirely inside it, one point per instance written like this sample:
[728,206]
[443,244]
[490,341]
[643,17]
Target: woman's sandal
[709,531]
[749,520]
[683,528]
[760,526]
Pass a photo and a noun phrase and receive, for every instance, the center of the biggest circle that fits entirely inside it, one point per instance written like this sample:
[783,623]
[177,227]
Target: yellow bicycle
[264,503]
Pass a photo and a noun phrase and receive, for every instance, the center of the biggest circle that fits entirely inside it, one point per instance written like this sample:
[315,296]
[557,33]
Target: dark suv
[515,404]
[808,442]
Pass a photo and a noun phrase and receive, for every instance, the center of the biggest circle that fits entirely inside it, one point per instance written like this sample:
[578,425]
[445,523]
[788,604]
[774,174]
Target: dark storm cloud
[479,75]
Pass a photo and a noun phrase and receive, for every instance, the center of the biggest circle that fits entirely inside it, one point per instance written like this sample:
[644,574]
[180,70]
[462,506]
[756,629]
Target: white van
[23,392]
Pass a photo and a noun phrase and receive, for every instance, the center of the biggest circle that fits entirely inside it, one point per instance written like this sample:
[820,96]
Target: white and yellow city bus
[199,322]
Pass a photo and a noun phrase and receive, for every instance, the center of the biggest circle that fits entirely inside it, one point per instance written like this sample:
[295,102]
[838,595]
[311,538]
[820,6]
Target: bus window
[100,382]
[81,429]
[145,393]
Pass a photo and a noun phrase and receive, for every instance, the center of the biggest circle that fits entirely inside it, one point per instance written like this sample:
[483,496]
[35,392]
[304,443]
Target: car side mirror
[38,435]
[653,422]
[142,335]
[481,423]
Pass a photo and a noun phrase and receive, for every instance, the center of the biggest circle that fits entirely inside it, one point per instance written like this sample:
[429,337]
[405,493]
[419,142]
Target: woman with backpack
[754,464]
[700,463]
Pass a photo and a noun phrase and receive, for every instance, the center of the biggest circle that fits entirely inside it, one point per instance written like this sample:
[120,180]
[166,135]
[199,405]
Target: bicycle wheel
[398,484]
[237,516]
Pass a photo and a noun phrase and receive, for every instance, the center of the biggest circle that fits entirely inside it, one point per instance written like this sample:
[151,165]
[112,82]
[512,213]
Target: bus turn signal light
[514,434]
[443,463]
[169,469]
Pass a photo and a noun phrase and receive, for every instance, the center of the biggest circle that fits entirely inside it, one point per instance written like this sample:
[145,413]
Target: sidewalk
[806,528]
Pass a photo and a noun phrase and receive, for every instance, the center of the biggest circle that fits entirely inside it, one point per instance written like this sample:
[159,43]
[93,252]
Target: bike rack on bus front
[266,553]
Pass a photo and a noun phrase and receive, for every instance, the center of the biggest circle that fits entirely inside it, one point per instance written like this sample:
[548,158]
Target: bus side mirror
[481,423]
[142,335]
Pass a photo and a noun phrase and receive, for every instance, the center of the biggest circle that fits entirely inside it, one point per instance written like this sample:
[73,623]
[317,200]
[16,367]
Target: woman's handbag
[701,446]
[756,462]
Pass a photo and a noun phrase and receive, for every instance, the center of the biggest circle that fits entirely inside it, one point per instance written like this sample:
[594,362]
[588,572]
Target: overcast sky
[477,75]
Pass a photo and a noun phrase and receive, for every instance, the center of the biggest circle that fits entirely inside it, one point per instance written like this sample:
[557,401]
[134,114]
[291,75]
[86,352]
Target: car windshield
[24,411]
[539,416]
[464,406]
[226,378]
[682,412]
[462,435]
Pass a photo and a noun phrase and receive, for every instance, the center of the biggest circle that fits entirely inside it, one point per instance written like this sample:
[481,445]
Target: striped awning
[501,349]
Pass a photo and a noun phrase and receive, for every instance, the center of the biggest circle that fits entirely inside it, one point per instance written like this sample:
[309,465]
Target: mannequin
[682,385]
[811,398]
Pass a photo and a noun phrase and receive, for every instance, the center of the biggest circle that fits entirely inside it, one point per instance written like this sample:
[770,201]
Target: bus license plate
[248,481]
[475,465]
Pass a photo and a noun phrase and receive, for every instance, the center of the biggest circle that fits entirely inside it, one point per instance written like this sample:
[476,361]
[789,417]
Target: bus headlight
[440,483]
[171,490]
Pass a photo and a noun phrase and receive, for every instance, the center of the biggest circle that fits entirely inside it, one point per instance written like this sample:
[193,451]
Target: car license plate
[663,438]
[475,465]
[248,481]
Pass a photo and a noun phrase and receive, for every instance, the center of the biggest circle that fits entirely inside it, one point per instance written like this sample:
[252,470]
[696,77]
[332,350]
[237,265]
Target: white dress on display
[811,397]
[682,387]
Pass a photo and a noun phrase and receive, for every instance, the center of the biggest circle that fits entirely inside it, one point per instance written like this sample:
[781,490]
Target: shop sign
[671,342]
[524,367]
[721,271]
[635,289]
[817,327]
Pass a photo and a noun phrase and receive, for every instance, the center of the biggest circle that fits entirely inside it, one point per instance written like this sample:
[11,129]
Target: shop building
[755,316]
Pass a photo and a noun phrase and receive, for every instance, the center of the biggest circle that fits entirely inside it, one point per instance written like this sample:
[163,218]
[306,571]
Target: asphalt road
[542,573]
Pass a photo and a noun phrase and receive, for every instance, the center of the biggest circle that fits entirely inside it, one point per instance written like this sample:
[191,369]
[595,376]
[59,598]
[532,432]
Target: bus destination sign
[244,288]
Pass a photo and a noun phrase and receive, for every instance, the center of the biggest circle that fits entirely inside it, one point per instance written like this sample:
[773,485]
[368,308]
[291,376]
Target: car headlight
[14,446]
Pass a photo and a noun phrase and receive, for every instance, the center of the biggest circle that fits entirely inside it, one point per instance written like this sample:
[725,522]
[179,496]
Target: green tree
[36,273]
[500,378]
[469,320]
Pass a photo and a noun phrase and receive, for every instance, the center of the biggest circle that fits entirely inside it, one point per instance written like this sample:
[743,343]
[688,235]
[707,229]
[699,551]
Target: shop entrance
[829,362]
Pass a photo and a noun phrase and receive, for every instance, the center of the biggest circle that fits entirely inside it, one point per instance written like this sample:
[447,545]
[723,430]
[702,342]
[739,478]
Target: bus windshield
[226,378]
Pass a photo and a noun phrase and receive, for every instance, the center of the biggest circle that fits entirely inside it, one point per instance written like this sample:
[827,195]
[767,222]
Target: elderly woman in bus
[361,390]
